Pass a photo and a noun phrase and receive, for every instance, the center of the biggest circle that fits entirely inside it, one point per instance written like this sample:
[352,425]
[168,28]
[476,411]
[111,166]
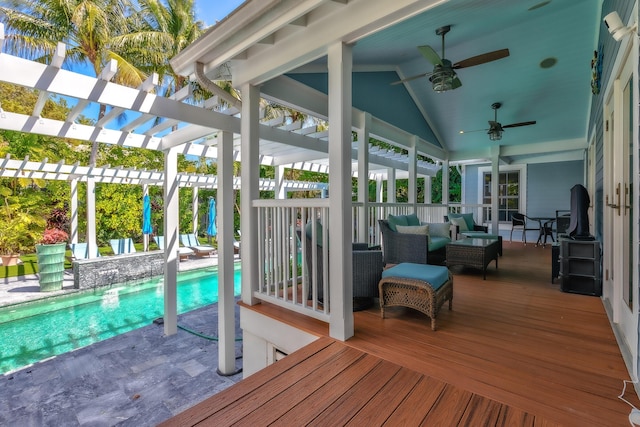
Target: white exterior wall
[262,335]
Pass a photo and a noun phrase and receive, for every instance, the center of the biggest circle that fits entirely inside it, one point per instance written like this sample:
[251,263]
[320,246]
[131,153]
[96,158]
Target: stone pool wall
[107,270]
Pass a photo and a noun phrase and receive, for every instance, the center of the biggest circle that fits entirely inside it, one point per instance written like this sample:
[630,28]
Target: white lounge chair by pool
[81,251]
[183,252]
[191,241]
[122,246]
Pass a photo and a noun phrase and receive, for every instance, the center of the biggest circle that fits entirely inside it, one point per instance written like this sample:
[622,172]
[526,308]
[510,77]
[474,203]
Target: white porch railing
[288,279]
[295,275]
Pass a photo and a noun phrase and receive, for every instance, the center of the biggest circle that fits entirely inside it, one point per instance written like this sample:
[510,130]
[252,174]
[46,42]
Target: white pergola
[179,125]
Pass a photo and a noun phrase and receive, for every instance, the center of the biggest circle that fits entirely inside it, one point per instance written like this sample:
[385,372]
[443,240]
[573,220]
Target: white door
[619,231]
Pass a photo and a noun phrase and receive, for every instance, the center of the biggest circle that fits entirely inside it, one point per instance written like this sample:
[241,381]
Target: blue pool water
[34,331]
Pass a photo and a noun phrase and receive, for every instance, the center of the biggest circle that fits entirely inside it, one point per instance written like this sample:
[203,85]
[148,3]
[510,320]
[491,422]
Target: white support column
[379,190]
[171,195]
[250,175]
[495,177]
[226,302]
[462,169]
[280,190]
[413,173]
[363,178]
[340,217]
[194,210]
[445,182]
[391,185]
[145,237]
[427,189]
[91,215]
[74,211]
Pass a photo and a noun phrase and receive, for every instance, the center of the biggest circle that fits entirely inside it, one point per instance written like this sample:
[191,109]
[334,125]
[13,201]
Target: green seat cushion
[308,229]
[395,220]
[435,275]
[412,219]
[437,242]
[468,218]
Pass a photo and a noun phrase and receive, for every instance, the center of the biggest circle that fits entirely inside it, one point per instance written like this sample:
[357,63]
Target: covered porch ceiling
[281,45]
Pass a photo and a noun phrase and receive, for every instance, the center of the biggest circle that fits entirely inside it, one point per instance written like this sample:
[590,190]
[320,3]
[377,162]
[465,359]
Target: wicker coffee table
[477,253]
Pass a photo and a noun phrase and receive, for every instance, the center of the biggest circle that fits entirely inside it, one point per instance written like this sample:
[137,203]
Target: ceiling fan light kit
[496,129]
[443,77]
[495,134]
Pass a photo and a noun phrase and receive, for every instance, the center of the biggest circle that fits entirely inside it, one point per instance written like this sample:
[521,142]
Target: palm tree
[87,27]
[160,33]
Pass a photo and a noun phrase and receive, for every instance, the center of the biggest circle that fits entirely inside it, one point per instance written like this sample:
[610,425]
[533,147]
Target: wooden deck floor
[514,351]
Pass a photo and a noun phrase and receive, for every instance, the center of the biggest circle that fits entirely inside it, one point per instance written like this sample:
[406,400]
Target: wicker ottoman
[422,287]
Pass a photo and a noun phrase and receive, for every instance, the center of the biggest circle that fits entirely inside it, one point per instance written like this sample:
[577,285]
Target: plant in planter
[50,253]
[52,236]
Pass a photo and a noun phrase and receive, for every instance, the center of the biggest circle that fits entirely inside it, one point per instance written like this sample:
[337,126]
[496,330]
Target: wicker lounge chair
[367,271]
[414,248]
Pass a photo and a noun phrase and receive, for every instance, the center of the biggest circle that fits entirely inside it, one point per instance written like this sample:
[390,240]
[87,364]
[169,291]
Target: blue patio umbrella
[211,228]
[146,215]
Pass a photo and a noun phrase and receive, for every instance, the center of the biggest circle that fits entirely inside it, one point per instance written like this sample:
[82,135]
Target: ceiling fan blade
[410,78]
[471,131]
[516,125]
[482,59]
[430,54]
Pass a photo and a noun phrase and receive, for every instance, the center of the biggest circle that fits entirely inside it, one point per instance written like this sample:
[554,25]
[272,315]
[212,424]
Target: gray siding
[549,186]
[471,184]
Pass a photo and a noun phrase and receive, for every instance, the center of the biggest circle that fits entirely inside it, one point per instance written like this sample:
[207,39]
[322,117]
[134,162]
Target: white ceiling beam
[106,75]
[543,147]
[56,63]
[148,85]
[166,124]
[67,83]
[60,171]
[250,12]
[180,96]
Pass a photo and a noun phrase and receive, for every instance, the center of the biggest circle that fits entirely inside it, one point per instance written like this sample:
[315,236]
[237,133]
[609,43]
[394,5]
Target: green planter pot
[51,266]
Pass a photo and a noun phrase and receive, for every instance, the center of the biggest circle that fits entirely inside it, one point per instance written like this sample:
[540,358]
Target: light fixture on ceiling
[442,78]
[615,26]
[495,134]
[495,128]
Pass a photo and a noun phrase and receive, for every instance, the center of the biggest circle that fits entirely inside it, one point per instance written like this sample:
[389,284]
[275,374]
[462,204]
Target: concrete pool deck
[139,378]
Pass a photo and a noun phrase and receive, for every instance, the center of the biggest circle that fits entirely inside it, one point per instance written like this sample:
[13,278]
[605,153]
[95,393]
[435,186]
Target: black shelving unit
[580,267]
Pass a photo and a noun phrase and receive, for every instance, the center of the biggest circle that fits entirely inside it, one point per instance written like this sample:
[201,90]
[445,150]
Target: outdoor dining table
[546,224]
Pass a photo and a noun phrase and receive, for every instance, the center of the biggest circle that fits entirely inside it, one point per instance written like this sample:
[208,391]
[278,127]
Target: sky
[211,11]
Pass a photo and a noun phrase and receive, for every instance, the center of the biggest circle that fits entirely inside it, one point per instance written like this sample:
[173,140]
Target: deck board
[514,351]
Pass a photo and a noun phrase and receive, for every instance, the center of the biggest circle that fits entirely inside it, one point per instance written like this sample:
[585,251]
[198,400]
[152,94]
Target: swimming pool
[37,330]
